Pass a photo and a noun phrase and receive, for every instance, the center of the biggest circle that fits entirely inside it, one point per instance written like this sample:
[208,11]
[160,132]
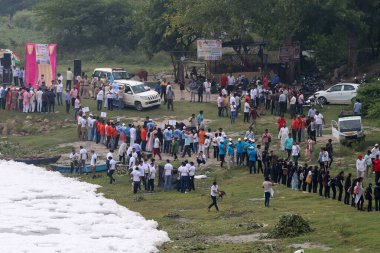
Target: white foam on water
[43,211]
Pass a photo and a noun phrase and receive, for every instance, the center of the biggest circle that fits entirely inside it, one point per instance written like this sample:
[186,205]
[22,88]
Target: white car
[341,93]
[137,95]
[111,73]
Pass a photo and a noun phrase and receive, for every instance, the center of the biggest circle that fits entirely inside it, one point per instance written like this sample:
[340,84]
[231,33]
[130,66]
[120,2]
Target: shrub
[369,95]
[290,225]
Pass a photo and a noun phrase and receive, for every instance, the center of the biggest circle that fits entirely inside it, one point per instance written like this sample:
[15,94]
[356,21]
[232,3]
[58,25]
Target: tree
[89,23]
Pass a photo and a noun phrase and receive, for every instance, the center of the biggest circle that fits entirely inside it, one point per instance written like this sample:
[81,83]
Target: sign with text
[42,54]
[209,50]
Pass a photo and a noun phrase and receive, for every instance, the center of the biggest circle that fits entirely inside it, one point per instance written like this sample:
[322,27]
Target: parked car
[341,93]
[138,95]
[112,73]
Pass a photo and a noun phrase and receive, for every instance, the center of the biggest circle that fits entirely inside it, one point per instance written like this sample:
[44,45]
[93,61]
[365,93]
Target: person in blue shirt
[200,119]
[222,152]
[239,152]
[289,145]
[150,125]
[168,135]
[187,136]
[157,88]
[231,152]
[128,134]
[252,159]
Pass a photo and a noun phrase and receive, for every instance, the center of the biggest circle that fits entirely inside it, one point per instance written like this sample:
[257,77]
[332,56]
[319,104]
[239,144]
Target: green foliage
[25,19]
[290,225]
[369,95]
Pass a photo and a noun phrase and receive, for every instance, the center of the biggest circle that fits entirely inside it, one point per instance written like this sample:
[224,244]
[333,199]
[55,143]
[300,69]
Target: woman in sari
[14,99]
[8,98]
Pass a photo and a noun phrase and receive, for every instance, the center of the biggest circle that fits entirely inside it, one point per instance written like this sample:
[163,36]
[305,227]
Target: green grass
[337,226]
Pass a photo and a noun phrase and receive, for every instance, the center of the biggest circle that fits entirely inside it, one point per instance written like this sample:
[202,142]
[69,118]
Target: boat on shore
[37,160]
[67,168]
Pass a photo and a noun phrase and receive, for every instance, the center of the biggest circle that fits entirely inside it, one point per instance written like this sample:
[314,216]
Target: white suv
[137,95]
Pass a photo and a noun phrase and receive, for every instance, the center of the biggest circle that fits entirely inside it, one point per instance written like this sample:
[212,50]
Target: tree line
[338,31]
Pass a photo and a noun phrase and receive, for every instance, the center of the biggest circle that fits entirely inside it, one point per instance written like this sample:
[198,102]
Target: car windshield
[350,125]
[138,88]
[120,75]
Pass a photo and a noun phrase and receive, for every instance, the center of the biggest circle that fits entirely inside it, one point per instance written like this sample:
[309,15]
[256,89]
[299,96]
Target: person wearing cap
[360,166]
[239,152]
[252,159]
[375,151]
[231,152]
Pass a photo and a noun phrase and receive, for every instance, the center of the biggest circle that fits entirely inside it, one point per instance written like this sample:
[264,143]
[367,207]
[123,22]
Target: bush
[369,95]
[25,19]
[290,225]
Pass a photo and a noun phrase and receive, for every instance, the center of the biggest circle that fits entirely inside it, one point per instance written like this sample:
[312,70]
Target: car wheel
[138,106]
[322,100]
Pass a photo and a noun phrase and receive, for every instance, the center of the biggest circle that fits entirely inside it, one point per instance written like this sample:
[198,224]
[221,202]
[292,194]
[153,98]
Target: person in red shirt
[108,128]
[301,126]
[223,80]
[294,127]
[376,168]
[280,122]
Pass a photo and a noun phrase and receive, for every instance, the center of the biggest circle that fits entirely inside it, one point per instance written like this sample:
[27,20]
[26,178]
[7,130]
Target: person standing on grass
[94,159]
[266,139]
[368,163]
[368,197]
[111,169]
[207,87]
[191,177]
[376,193]
[135,174]
[283,135]
[252,159]
[358,190]
[319,120]
[170,98]
[376,168]
[99,100]
[222,152]
[247,109]
[339,182]
[183,174]
[347,189]
[267,185]
[295,152]
[156,147]
[214,193]
[152,175]
[83,158]
[289,144]
[233,112]
[67,101]
[168,168]
[360,166]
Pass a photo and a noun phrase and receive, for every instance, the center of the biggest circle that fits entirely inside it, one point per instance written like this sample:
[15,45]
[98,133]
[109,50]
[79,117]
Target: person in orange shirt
[202,137]
[113,136]
[101,129]
[280,122]
[294,127]
[144,132]
[108,134]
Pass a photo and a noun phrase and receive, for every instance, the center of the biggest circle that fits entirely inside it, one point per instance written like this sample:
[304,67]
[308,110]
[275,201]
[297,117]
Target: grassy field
[185,217]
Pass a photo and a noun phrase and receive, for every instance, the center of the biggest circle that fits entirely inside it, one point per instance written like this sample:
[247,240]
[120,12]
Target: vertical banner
[42,54]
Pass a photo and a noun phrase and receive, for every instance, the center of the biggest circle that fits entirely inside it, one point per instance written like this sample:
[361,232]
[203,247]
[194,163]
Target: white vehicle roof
[353,84]
[109,69]
[350,118]
[129,82]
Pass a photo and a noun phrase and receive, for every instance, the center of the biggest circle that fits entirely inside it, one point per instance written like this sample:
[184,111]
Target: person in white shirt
[59,92]
[156,147]
[111,169]
[74,161]
[132,161]
[295,152]
[122,152]
[230,83]
[168,168]
[99,100]
[207,86]
[183,174]
[69,78]
[375,151]
[39,100]
[83,158]
[247,109]
[283,135]
[360,166]
[110,153]
[214,193]
[207,146]
[94,159]
[267,185]
[132,133]
[292,106]
[319,120]
[135,174]
[152,175]
[83,123]
[219,103]
[191,176]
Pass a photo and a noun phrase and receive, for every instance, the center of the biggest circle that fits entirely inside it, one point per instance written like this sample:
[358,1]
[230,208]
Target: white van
[115,74]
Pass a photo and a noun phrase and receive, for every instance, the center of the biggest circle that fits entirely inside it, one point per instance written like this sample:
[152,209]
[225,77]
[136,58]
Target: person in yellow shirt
[163,85]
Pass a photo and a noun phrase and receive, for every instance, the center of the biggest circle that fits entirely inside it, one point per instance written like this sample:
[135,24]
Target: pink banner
[32,69]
